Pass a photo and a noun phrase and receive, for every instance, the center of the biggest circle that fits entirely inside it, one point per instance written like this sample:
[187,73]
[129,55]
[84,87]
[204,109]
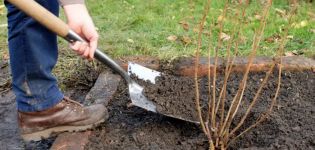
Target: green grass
[148,24]
[137,27]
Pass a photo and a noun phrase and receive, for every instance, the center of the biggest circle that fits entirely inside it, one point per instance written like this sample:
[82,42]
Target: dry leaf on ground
[302,24]
[288,54]
[290,37]
[258,17]
[225,37]
[185,25]
[196,29]
[280,12]
[172,38]
[220,18]
[273,38]
[186,40]
[130,40]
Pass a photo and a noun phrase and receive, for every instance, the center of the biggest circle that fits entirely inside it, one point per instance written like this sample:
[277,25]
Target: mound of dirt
[175,96]
[289,127]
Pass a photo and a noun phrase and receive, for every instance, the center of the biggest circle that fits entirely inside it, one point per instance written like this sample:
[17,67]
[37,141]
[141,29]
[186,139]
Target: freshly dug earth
[290,126]
[175,96]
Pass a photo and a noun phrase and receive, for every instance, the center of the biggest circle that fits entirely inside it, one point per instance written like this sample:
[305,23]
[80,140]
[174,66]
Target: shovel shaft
[56,25]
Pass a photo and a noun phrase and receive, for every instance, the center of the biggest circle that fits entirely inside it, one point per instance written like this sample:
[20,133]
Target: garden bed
[290,126]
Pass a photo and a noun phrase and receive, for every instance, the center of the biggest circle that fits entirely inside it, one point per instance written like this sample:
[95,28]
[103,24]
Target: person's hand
[80,22]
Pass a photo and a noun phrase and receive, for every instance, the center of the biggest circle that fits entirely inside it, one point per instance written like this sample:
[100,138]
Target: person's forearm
[76,13]
[67,2]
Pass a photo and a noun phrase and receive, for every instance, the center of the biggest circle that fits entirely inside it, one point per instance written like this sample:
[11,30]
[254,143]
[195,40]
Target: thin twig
[213,118]
[202,123]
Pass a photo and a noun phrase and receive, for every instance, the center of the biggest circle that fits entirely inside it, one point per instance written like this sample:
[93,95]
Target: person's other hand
[80,22]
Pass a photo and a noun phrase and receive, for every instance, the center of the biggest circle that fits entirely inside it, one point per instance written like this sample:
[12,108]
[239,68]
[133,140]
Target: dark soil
[175,96]
[290,126]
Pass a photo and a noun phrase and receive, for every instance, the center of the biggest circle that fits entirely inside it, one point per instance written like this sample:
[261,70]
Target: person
[42,107]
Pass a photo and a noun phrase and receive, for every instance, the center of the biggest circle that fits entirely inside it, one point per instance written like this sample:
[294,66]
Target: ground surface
[289,127]
[9,136]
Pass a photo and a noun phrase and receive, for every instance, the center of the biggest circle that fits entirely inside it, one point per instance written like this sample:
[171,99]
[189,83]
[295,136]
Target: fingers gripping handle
[99,55]
[43,16]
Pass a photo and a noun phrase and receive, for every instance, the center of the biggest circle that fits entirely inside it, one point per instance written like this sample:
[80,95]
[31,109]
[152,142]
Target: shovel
[56,25]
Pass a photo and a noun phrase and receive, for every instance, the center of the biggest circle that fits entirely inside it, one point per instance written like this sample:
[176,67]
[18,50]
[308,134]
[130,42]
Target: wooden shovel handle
[43,16]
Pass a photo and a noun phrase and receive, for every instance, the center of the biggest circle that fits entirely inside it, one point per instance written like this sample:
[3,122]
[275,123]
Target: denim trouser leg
[33,54]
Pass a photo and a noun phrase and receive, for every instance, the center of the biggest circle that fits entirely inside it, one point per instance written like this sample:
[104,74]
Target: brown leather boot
[68,115]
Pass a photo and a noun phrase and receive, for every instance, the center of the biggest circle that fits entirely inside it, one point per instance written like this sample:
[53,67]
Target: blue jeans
[33,54]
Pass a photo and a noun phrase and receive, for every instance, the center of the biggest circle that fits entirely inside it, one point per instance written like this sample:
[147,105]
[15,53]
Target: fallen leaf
[224,36]
[220,18]
[273,38]
[302,24]
[196,29]
[172,38]
[290,37]
[258,17]
[280,12]
[300,52]
[288,54]
[186,40]
[185,25]
[130,40]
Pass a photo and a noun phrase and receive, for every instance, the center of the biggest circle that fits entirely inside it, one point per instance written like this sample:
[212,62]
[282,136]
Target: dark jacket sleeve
[67,2]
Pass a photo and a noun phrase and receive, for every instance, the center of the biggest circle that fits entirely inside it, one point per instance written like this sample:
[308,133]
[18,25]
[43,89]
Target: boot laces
[73,104]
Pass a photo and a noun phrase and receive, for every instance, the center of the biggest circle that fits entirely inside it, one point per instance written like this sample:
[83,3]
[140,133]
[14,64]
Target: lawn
[135,27]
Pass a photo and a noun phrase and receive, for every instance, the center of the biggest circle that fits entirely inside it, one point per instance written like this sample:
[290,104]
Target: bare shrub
[217,123]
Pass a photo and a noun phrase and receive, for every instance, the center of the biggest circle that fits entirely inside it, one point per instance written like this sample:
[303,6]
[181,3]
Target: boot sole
[37,136]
